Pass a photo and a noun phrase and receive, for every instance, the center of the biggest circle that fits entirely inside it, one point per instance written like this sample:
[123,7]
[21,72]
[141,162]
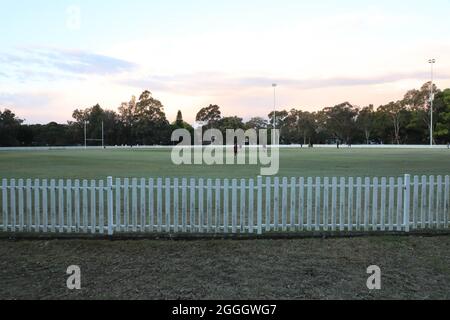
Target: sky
[57,56]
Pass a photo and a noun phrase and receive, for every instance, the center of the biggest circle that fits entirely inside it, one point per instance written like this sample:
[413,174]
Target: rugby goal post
[86,139]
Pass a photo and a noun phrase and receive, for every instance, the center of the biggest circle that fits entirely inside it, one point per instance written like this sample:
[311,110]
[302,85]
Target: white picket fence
[228,206]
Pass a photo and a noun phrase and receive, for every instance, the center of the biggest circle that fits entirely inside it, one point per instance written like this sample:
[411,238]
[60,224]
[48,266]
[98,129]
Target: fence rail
[228,206]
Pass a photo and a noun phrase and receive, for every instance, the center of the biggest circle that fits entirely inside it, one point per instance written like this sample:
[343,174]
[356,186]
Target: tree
[179,120]
[256,123]
[230,123]
[418,102]
[209,116]
[127,119]
[9,128]
[151,125]
[340,121]
[307,126]
[97,119]
[442,132]
[279,120]
[180,124]
[365,121]
[395,112]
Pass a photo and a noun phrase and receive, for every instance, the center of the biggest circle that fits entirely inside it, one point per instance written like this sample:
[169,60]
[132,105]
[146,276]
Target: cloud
[32,106]
[30,100]
[220,82]
[55,64]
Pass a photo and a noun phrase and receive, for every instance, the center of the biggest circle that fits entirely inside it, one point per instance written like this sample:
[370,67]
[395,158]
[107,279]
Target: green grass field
[98,164]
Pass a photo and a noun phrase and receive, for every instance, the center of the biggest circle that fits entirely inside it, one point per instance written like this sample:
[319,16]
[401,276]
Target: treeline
[142,121]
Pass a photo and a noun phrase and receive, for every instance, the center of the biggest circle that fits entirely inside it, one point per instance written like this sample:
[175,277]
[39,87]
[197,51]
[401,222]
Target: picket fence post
[406,198]
[110,206]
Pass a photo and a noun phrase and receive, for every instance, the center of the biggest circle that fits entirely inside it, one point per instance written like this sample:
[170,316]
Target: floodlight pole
[85,134]
[274,105]
[431,62]
[103,136]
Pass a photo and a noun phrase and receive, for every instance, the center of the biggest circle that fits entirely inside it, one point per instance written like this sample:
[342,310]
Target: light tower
[274,86]
[431,62]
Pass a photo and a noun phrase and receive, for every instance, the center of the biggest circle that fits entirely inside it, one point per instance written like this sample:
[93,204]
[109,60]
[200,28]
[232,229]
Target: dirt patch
[412,268]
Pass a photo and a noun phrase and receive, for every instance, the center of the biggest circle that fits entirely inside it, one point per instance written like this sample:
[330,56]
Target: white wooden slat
[342,205]
[423,203]
[12,201]
[184,205]
[301,203]
[438,201]
[126,204]
[391,203]
[350,204]
[29,207]
[53,205]
[243,206]
[276,201]
[134,203]
[61,211]
[309,204]
[192,211]
[110,205]
[383,204]
[167,206]
[118,191]
[159,205]
[151,204]
[259,206]
[234,205]
[284,204]
[431,215]
[407,202]
[251,205]
[268,204]
[20,199]
[5,204]
[77,205]
[415,212]
[201,209]
[399,204]
[375,204]
[447,202]
[333,203]
[226,186]
[326,203]
[176,203]
[293,203]
[69,206]
[209,204]
[358,213]
[85,206]
[366,203]
[143,206]
[44,188]
[101,207]
[93,207]
[317,205]
[217,199]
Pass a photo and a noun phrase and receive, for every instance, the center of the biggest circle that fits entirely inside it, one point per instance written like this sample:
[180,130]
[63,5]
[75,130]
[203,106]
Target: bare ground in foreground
[412,268]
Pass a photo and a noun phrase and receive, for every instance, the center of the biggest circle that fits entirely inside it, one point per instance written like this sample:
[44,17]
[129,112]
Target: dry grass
[413,268]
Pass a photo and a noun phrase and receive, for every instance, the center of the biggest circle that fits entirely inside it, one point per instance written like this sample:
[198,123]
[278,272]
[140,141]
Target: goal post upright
[102,140]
